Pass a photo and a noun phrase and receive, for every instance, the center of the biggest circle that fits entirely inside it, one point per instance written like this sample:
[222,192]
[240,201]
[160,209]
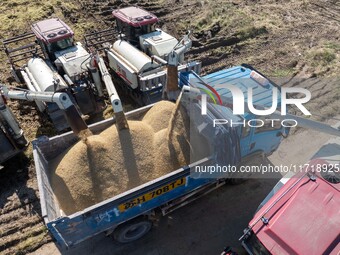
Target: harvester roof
[305,220]
[135,16]
[51,30]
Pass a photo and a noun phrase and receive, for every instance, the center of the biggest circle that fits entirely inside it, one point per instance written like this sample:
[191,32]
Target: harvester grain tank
[55,62]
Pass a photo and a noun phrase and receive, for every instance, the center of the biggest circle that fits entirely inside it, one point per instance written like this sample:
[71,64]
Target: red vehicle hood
[306,220]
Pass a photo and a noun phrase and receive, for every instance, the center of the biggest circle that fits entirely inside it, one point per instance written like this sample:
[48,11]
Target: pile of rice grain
[101,166]
[159,115]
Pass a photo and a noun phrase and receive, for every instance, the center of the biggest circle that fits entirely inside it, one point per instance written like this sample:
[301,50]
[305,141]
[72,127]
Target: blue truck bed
[107,215]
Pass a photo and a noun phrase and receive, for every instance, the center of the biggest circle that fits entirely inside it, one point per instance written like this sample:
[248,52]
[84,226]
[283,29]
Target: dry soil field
[296,42]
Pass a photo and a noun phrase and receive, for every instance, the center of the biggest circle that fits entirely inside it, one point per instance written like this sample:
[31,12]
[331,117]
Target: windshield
[61,45]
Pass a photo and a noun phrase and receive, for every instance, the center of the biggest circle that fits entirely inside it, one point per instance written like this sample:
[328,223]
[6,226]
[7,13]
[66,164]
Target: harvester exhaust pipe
[121,121]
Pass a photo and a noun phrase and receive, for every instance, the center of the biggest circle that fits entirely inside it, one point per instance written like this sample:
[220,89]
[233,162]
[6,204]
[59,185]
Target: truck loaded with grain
[117,181]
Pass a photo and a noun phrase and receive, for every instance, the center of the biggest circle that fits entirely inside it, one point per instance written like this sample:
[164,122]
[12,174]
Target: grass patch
[324,60]
[323,57]
[16,16]
[280,73]
[251,32]
[31,242]
[333,46]
[225,14]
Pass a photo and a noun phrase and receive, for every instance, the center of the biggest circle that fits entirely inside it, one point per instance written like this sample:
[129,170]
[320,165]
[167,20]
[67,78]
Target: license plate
[148,196]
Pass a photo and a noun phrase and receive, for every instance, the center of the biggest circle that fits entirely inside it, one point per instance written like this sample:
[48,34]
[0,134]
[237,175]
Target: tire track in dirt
[24,241]
[18,225]
[21,226]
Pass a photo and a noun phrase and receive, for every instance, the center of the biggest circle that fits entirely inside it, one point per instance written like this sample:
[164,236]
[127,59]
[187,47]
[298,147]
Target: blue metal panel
[241,77]
[244,77]
[69,231]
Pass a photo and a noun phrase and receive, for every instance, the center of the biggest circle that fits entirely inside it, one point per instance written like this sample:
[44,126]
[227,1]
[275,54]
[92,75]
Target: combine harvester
[140,54]
[12,139]
[55,63]
[128,216]
[301,214]
[56,67]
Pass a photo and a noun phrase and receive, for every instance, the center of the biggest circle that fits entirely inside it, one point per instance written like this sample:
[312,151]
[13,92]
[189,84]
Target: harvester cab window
[120,26]
[132,33]
[142,30]
[138,32]
[64,44]
[60,45]
[148,28]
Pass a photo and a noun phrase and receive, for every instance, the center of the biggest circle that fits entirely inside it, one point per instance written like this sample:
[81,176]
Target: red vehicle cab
[53,35]
[135,16]
[134,22]
[302,217]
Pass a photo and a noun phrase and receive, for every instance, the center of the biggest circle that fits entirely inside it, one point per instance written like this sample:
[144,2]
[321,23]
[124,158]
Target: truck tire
[132,230]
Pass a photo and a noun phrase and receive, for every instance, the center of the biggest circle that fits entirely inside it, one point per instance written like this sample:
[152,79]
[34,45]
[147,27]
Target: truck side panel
[142,200]
[71,230]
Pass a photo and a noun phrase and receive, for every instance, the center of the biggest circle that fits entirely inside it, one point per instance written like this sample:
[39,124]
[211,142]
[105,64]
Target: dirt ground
[295,42]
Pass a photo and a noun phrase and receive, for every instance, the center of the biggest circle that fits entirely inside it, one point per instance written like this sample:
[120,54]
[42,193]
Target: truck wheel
[132,230]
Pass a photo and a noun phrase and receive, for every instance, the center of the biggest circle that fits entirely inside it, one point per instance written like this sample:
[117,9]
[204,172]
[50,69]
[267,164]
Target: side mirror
[286,132]
[283,133]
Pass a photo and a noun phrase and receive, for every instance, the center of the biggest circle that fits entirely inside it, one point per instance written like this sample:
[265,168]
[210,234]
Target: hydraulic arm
[62,99]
